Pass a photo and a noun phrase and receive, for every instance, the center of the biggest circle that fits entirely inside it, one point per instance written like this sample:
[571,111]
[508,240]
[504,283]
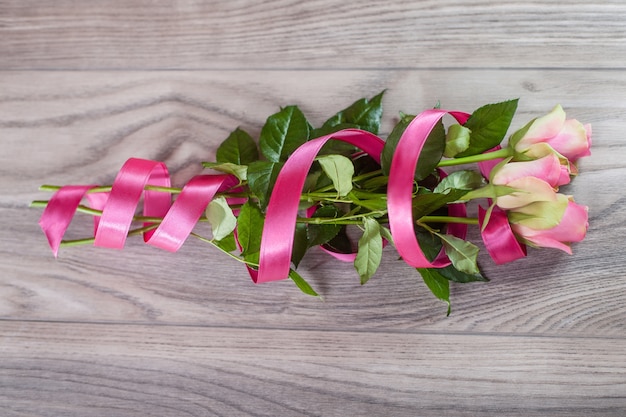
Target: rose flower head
[568,137]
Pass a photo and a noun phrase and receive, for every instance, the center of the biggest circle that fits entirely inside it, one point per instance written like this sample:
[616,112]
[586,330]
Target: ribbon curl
[282,209]
[400,188]
[178,218]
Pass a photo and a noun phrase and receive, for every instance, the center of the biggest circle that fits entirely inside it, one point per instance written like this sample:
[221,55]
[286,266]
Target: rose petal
[572,141]
[531,189]
[573,228]
[547,169]
[543,127]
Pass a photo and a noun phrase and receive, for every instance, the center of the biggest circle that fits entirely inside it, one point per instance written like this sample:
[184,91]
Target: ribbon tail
[59,212]
[498,236]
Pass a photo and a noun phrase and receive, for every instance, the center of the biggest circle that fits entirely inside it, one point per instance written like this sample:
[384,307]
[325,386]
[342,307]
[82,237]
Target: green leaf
[239,171]
[319,234]
[329,128]
[392,142]
[283,133]
[362,114]
[424,204]
[335,147]
[250,229]
[340,243]
[261,178]
[487,216]
[453,274]
[431,152]
[375,183]
[340,170]
[238,148]
[370,250]
[489,125]
[227,244]
[300,243]
[437,284]
[310,184]
[431,245]
[221,218]
[373,204]
[460,180]
[462,253]
[302,284]
[519,134]
[457,140]
[386,234]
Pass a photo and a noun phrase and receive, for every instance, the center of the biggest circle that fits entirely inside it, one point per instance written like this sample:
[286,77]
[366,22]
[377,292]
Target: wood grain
[181,117]
[82,370]
[104,118]
[320,34]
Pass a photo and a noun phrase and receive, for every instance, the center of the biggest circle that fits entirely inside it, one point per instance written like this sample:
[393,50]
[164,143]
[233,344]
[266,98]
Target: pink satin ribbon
[126,191]
[499,238]
[119,206]
[282,209]
[400,188]
[59,213]
[186,211]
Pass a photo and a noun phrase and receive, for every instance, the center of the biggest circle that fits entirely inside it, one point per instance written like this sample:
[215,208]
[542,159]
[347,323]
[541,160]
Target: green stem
[330,197]
[90,240]
[80,208]
[448,219]
[211,242]
[501,153]
[358,178]
[367,175]
[366,195]
[94,212]
[107,188]
[327,220]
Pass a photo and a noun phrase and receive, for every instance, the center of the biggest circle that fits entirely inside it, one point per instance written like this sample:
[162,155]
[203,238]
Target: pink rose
[569,138]
[537,231]
[534,181]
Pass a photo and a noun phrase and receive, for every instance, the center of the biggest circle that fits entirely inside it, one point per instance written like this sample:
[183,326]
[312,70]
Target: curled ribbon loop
[282,209]
[118,206]
[186,211]
[127,188]
[400,188]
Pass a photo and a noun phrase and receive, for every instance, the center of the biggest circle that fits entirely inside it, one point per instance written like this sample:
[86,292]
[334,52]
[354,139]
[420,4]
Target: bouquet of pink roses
[341,188]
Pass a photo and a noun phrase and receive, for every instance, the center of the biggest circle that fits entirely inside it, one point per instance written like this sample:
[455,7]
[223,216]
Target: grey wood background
[141,332]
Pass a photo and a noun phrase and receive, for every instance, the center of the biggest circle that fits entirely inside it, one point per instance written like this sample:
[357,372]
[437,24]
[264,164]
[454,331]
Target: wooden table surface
[142,332]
